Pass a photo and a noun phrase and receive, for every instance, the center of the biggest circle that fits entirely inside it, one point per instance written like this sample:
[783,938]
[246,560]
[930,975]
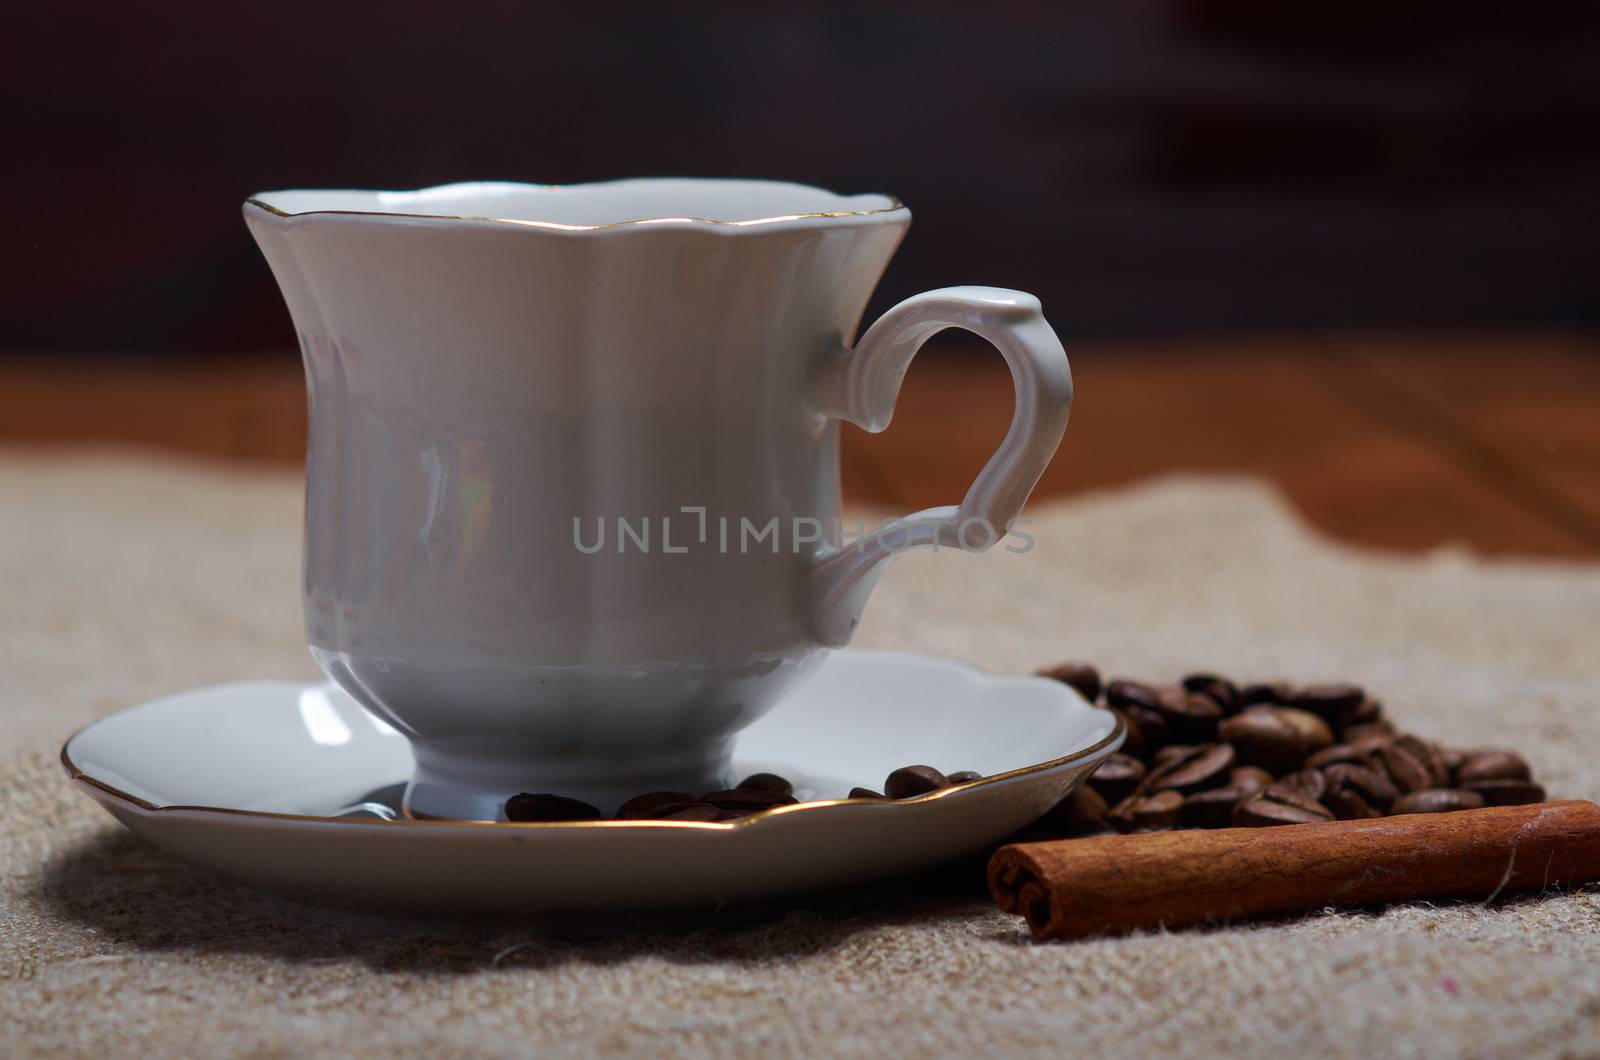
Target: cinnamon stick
[1071,888]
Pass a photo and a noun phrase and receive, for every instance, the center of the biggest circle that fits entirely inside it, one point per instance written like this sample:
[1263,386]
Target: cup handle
[861,386]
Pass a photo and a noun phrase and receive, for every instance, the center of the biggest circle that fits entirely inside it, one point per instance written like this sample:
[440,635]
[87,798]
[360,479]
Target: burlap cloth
[127,578]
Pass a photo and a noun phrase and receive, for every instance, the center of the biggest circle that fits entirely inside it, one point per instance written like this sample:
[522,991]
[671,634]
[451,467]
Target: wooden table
[1395,441]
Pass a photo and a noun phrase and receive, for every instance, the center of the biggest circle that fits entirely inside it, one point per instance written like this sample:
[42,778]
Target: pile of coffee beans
[760,791]
[1210,753]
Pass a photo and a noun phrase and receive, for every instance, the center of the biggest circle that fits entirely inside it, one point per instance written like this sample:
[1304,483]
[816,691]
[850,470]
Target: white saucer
[294,786]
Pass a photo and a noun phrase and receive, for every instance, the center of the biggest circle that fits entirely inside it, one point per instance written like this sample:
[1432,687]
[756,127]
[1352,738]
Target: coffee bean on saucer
[1506,792]
[965,776]
[910,781]
[1081,813]
[747,799]
[868,793]
[1147,813]
[1117,777]
[689,811]
[526,807]
[1196,769]
[1219,689]
[1491,765]
[1438,800]
[766,782]
[1125,693]
[1276,693]
[1331,703]
[1080,675]
[644,806]
[1279,805]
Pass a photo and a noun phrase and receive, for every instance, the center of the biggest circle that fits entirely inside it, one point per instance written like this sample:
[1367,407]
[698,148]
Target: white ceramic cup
[572,493]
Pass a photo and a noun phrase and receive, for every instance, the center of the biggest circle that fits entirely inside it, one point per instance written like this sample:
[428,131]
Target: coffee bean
[1506,792]
[1408,772]
[1308,782]
[910,781]
[1368,745]
[1274,692]
[1376,730]
[868,793]
[1251,778]
[1452,759]
[1372,784]
[1153,728]
[1491,765]
[1279,805]
[1117,777]
[690,811]
[1133,735]
[747,799]
[1125,693]
[1196,769]
[1335,754]
[1369,711]
[1169,753]
[1314,732]
[1085,679]
[642,806]
[1260,736]
[1348,805]
[965,776]
[1081,813]
[546,807]
[1426,753]
[1192,718]
[766,782]
[1331,703]
[1437,800]
[1219,689]
[1147,813]
[1278,739]
[1214,807]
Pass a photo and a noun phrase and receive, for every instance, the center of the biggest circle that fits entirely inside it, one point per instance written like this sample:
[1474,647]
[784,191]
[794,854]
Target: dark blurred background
[1350,249]
[1150,167]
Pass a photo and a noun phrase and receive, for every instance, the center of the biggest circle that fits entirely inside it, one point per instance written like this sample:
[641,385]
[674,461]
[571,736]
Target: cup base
[473,784]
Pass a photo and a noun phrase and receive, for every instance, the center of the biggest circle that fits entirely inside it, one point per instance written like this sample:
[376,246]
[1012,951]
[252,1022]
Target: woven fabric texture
[128,577]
